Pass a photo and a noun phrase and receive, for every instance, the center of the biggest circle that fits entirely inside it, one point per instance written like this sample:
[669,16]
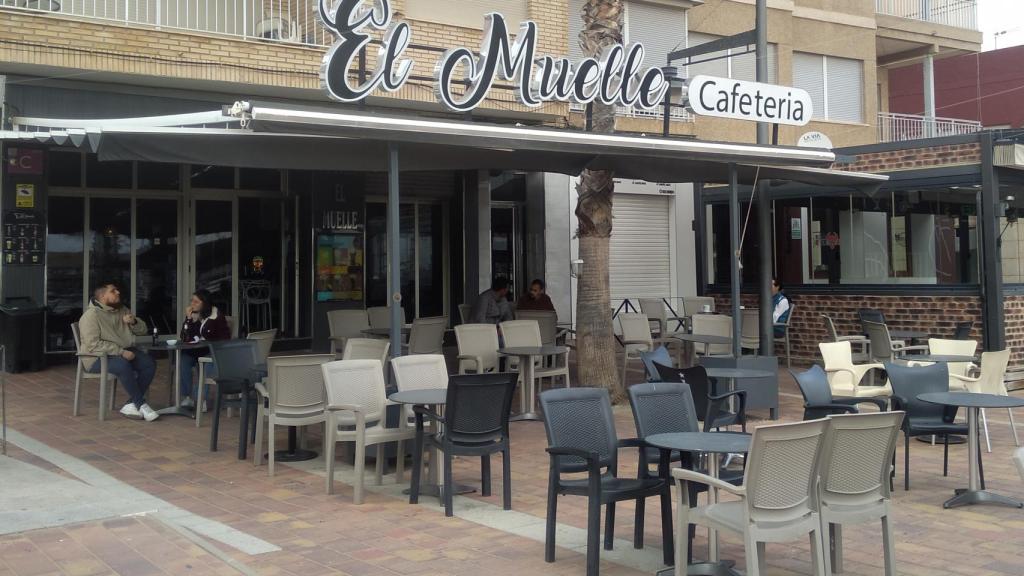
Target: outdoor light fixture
[575,267]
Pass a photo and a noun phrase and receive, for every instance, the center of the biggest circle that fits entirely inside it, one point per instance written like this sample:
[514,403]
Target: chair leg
[378,464]
[640,511]
[818,555]
[550,521]
[257,454]
[215,425]
[485,475]
[835,540]
[357,486]
[751,549]
[270,446]
[506,479]
[625,365]
[668,550]
[593,534]
[329,445]
[103,397]
[888,547]
[981,466]
[449,484]
[906,462]
[400,462]
[78,389]
[945,454]
[1013,427]
[200,396]
[609,526]
[417,469]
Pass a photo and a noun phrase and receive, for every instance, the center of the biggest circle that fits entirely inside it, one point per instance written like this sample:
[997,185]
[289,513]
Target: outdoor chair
[990,381]
[854,473]
[345,324]
[106,379]
[659,355]
[922,418]
[478,347]
[845,377]
[657,313]
[750,329]
[526,333]
[818,399]
[963,330]
[870,315]
[712,408]
[366,349]
[776,502]
[713,325]
[959,372]
[474,423]
[292,394]
[264,341]
[883,348]
[636,339]
[427,335]
[547,321]
[785,332]
[380,316]
[693,305]
[356,404]
[464,312]
[581,438]
[420,372]
[236,364]
[860,340]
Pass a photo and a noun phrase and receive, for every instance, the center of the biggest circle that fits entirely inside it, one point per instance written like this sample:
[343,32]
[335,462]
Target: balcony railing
[894,127]
[292,21]
[957,13]
[676,113]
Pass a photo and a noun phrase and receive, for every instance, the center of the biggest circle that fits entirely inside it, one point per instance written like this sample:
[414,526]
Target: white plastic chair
[427,335]
[366,349]
[380,316]
[526,333]
[107,380]
[656,312]
[292,394]
[958,371]
[547,320]
[713,325]
[345,324]
[844,377]
[990,381]
[853,487]
[777,501]
[636,339]
[356,403]
[420,372]
[750,329]
[464,310]
[478,347]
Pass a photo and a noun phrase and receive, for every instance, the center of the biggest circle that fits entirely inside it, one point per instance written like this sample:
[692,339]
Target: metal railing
[894,127]
[957,13]
[289,21]
[676,113]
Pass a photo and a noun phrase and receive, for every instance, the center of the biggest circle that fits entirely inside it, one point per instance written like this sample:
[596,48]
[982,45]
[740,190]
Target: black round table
[425,397]
[713,444]
[940,358]
[437,398]
[974,402]
[528,396]
[908,335]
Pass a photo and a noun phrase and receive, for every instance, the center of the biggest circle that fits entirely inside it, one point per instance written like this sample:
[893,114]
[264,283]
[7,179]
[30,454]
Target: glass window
[259,179]
[156,263]
[213,251]
[110,250]
[377,256]
[259,253]
[219,177]
[64,275]
[65,169]
[115,174]
[158,176]
[431,259]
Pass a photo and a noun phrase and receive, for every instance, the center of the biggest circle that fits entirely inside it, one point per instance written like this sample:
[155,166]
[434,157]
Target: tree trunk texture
[597,350]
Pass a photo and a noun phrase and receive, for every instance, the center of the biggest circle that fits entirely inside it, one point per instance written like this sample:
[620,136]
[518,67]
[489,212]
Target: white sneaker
[148,413]
[130,411]
[188,402]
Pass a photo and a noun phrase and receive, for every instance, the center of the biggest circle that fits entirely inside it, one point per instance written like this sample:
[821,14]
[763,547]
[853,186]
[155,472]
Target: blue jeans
[134,375]
[189,364]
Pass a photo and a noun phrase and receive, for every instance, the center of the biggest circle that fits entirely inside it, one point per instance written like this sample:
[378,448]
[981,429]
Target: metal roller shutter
[641,248]
[661,29]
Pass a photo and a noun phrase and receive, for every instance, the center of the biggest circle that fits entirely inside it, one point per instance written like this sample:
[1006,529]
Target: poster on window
[339,267]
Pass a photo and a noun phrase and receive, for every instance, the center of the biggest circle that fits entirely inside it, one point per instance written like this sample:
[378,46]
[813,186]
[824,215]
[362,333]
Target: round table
[174,407]
[908,335]
[713,444]
[940,358]
[738,373]
[385,332]
[692,339]
[974,402]
[435,398]
[528,395]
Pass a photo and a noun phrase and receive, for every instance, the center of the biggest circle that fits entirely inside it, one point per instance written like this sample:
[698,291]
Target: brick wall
[936,315]
[1013,318]
[915,158]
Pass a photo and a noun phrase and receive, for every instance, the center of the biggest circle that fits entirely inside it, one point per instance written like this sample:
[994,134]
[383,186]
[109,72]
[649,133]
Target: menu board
[339,267]
[24,239]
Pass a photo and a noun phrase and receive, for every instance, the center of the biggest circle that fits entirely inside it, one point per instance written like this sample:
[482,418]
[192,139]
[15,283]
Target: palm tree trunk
[596,348]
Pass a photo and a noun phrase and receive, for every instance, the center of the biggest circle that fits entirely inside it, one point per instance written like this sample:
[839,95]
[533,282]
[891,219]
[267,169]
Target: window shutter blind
[743,66]
[467,13]
[808,74]
[575,27]
[845,89]
[661,29]
[641,247]
[713,68]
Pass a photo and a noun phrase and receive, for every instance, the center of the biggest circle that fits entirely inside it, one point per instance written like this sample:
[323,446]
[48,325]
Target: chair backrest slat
[77,336]
[750,327]
[696,378]
[547,320]
[234,359]
[478,340]
[813,384]
[264,342]
[636,327]
[908,382]
[830,327]
[347,323]
[380,316]
[993,373]
[654,309]
[521,333]
[881,342]
[714,325]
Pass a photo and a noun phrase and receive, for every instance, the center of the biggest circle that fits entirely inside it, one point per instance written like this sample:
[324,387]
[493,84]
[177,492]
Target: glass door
[214,254]
[156,263]
[506,246]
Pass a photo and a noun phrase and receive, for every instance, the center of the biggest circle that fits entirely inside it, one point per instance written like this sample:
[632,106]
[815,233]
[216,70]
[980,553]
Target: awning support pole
[766,328]
[993,322]
[734,247]
[394,260]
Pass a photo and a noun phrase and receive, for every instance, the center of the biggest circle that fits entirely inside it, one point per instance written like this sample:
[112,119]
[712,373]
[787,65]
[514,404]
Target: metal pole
[734,261]
[764,204]
[394,261]
[3,396]
[929,96]
[991,260]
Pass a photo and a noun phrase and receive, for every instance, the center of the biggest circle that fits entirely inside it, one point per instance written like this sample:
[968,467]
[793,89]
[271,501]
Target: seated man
[491,307]
[109,328]
[780,308]
[536,298]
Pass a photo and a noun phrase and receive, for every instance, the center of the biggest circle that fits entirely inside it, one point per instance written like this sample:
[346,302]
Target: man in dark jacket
[536,298]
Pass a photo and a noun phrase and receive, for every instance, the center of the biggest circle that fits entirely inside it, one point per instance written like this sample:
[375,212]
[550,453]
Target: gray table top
[720,442]
[701,338]
[971,400]
[179,345]
[738,373]
[384,331]
[940,358]
[533,350]
[908,334]
[427,396]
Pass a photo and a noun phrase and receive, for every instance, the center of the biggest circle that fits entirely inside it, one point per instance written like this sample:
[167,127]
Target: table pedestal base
[723,568]
[531,416]
[177,411]
[294,456]
[970,497]
[435,491]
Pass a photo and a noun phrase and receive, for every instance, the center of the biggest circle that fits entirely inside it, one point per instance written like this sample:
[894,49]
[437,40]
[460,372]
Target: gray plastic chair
[581,438]
[345,324]
[853,487]
[883,348]
[862,342]
[818,399]
[427,335]
[235,361]
[106,379]
[366,349]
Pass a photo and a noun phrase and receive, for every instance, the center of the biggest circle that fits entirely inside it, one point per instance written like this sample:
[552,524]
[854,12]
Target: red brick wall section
[936,315]
[1013,318]
[915,158]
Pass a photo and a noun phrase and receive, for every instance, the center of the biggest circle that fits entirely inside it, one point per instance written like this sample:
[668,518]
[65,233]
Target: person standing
[535,298]
[780,308]
[107,327]
[203,322]
[491,306]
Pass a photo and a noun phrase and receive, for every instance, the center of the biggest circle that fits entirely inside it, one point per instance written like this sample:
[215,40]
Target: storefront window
[156,262]
[158,176]
[911,236]
[107,174]
[64,275]
[65,169]
[110,250]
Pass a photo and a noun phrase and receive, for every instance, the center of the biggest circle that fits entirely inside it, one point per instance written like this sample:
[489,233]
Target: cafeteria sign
[616,78]
[742,100]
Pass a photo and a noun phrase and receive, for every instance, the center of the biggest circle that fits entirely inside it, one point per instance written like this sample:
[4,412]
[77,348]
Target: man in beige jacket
[109,328]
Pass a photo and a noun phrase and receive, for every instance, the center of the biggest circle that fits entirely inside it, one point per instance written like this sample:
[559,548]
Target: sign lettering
[726,98]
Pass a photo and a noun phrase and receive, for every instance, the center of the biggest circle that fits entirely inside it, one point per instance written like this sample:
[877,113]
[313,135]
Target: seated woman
[202,322]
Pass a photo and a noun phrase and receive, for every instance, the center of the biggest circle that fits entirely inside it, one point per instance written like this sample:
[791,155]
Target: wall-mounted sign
[341,220]
[814,140]
[24,161]
[24,239]
[742,100]
[25,195]
[796,229]
[463,78]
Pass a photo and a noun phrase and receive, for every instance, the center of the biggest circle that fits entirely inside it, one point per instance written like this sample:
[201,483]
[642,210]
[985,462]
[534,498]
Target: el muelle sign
[742,100]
